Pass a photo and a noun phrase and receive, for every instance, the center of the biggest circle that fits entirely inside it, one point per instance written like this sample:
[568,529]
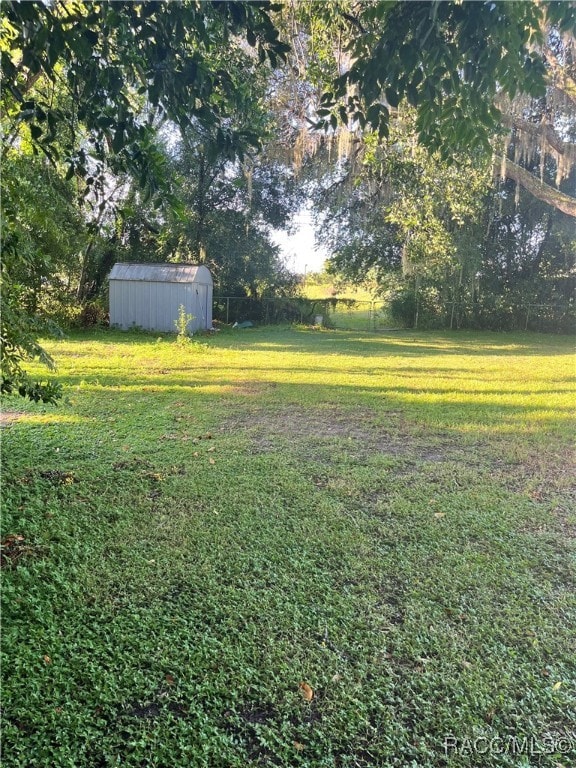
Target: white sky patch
[299,250]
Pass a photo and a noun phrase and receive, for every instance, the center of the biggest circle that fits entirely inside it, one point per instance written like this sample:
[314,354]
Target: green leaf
[118,140]
[417,79]
[408,55]
[412,95]
[373,115]
[91,36]
[392,97]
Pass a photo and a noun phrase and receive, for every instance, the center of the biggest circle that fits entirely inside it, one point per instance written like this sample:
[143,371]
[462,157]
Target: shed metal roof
[162,273]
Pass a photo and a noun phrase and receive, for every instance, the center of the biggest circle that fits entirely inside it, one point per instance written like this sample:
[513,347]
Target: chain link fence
[344,314]
[361,315]
[550,318]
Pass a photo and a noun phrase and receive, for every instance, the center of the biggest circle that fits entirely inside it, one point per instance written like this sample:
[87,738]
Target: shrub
[182,323]
[92,314]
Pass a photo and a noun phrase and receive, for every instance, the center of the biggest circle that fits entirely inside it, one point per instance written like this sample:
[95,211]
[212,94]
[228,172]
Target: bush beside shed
[149,296]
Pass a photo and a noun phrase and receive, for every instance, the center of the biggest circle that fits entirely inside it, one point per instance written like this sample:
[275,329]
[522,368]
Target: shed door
[202,303]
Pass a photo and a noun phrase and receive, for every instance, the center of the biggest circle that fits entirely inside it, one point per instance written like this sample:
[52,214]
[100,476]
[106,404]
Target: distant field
[365,314]
[328,291]
[286,547]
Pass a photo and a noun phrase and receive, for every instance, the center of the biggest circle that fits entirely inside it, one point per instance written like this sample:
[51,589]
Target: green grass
[203,527]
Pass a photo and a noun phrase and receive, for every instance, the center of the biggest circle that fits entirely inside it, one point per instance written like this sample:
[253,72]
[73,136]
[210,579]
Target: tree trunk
[535,266]
[200,254]
[82,282]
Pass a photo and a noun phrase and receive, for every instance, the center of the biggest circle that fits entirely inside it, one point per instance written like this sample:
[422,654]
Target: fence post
[227,310]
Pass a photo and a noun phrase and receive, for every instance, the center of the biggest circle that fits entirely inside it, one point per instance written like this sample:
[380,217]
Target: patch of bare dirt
[330,433]
[9,417]
[252,388]
[359,433]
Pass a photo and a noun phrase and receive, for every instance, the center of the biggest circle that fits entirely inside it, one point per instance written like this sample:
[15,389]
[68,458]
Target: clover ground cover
[201,529]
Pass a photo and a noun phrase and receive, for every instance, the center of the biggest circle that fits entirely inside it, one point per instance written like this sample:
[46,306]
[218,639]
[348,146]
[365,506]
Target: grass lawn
[284,547]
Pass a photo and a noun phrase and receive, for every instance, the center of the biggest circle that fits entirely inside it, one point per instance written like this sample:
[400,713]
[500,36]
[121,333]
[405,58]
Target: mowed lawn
[287,547]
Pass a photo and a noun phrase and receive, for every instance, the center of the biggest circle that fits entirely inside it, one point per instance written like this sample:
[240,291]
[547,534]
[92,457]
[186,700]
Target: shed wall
[154,306]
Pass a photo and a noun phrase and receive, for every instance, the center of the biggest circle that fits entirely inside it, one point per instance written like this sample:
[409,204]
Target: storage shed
[149,296]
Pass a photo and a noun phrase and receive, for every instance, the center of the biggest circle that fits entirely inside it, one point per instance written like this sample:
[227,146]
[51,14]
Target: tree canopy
[122,64]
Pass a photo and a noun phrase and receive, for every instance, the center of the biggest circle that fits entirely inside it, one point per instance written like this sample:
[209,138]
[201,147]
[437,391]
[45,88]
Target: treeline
[510,267]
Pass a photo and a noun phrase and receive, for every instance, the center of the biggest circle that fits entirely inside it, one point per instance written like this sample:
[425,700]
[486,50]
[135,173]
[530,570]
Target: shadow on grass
[354,343]
[452,410]
[202,379]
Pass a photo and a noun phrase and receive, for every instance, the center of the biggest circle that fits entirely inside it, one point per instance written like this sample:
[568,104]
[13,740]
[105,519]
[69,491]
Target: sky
[298,250]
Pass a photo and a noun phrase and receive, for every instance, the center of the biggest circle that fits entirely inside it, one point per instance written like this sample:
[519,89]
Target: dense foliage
[92,93]
[455,236]
[445,245]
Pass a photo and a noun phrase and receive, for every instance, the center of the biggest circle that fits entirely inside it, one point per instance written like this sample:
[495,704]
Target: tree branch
[541,191]
[544,130]
[353,20]
[558,76]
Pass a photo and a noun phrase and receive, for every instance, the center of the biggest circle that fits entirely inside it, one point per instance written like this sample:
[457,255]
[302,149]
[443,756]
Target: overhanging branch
[541,191]
[542,130]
